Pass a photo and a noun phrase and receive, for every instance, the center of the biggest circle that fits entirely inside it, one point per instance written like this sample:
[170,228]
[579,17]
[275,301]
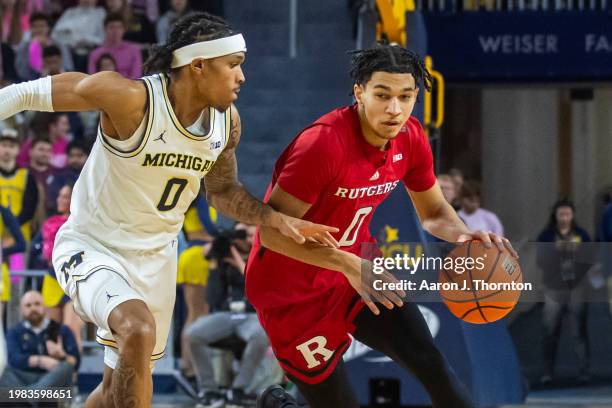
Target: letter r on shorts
[309,352]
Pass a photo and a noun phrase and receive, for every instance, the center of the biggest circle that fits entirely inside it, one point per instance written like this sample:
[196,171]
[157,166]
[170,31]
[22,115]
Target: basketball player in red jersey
[336,172]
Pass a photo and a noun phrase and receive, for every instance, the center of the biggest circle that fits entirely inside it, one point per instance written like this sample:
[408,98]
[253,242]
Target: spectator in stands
[199,226]
[82,29]
[42,170]
[78,152]
[58,132]
[147,8]
[106,62]
[475,217]
[165,23]
[458,178]
[29,55]
[12,243]
[40,161]
[55,8]
[564,287]
[232,317]
[192,278]
[18,190]
[39,6]
[1,70]
[127,55]
[41,352]
[139,29]
[15,20]
[52,62]
[8,74]
[449,189]
[59,306]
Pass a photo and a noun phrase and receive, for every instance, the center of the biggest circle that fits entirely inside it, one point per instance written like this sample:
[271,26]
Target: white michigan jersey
[133,194]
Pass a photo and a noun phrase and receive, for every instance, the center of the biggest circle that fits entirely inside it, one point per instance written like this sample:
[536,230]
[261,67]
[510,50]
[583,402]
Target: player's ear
[358,92]
[197,66]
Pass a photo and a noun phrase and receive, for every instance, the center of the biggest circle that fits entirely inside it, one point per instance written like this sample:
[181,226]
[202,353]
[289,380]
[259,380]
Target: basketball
[478,284]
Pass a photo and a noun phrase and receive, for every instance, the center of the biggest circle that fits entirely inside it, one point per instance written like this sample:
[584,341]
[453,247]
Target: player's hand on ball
[361,277]
[489,238]
[301,231]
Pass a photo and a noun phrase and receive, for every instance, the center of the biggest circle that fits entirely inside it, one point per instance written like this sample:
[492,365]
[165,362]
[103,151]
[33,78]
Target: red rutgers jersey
[307,311]
[332,167]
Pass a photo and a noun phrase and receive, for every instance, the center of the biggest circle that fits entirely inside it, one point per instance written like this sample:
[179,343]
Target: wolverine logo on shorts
[74,261]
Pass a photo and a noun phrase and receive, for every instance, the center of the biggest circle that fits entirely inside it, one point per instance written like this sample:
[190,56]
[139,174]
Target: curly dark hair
[388,58]
[189,29]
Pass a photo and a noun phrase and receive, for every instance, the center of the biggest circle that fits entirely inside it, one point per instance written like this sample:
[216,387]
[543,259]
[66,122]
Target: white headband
[208,49]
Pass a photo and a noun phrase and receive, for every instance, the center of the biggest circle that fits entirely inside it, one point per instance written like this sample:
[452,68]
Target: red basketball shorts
[310,337]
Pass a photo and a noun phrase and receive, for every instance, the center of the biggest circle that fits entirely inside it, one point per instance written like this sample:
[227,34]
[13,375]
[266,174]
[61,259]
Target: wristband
[31,95]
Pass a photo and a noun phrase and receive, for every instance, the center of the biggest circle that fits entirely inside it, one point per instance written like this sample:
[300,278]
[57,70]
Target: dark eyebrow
[386,88]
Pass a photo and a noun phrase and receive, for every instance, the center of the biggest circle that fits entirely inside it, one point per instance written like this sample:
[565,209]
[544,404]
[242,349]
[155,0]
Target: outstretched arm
[440,219]
[436,215]
[225,193]
[311,253]
[121,100]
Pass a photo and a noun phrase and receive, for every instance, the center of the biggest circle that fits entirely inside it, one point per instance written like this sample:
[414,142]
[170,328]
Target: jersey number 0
[165,203]
[350,234]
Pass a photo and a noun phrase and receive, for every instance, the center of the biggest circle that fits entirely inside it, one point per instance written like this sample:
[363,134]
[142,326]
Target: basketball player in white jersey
[158,137]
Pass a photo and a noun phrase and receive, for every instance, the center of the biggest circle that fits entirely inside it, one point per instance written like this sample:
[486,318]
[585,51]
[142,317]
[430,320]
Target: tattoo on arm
[223,190]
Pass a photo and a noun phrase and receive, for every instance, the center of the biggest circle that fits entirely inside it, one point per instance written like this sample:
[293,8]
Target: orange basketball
[484,289]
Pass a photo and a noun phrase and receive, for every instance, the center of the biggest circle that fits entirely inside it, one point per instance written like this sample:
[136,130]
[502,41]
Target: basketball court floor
[587,397]
[584,397]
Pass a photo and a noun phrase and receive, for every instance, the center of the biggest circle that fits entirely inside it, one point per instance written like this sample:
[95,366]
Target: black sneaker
[275,396]
[236,397]
[211,399]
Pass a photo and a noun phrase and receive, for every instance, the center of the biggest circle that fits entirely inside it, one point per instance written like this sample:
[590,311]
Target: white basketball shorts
[98,279]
